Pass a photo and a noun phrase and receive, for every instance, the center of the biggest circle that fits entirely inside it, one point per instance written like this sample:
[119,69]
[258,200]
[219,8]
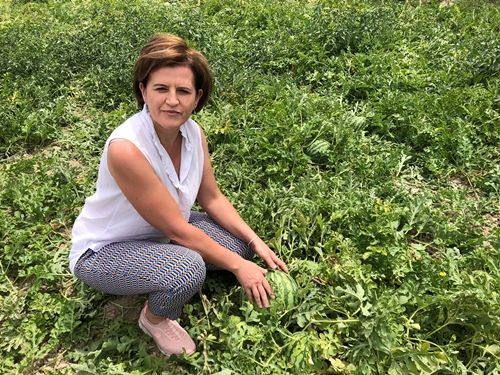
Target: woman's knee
[188,276]
[196,273]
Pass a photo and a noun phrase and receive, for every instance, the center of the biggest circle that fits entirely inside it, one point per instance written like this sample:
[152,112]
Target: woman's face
[170,96]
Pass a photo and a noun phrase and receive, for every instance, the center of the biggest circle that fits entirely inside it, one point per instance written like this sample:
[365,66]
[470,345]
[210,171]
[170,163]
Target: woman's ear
[143,91]
[198,97]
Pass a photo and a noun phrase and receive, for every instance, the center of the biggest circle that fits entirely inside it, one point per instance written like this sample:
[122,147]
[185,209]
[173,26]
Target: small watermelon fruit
[318,151]
[285,290]
[299,352]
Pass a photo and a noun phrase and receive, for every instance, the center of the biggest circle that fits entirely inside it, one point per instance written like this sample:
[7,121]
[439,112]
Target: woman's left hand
[262,250]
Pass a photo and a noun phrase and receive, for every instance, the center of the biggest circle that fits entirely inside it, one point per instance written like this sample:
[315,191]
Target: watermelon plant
[358,137]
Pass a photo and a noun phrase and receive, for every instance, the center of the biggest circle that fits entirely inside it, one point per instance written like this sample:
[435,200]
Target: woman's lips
[171,113]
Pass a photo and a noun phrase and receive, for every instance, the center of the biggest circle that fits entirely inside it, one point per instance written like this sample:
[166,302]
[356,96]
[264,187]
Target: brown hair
[164,50]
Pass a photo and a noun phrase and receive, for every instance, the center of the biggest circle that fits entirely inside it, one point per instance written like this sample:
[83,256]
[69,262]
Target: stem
[483,348]
[7,278]
[335,321]
[312,321]
[432,344]
[206,307]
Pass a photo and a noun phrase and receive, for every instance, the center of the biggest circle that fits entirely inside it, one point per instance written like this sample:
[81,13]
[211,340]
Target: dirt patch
[446,3]
[464,182]
[492,222]
[75,163]
[461,181]
[126,307]
[49,364]
[410,188]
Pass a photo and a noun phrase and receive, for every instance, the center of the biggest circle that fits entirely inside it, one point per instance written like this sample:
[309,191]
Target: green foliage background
[394,239]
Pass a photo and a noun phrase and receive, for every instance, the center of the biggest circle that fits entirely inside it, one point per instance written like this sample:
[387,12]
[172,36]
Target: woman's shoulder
[130,128]
[191,124]
[191,130]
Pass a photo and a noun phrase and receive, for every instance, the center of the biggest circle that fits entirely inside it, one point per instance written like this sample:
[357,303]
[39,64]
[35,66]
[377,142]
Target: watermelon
[318,151]
[285,289]
[299,352]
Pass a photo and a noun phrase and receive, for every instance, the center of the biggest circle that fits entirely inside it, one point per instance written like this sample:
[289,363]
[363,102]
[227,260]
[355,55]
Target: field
[391,230]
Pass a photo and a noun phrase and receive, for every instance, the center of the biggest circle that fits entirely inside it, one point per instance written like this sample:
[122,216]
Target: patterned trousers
[169,273]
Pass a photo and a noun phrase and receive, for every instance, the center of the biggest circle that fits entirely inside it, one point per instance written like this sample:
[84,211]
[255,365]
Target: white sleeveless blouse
[108,216]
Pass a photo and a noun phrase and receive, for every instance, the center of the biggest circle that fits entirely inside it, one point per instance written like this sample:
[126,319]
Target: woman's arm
[218,207]
[152,200]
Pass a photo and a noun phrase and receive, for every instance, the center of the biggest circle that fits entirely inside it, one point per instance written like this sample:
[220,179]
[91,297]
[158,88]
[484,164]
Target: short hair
[166,50]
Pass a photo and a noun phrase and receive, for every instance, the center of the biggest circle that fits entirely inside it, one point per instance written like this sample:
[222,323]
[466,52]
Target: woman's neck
[169,138]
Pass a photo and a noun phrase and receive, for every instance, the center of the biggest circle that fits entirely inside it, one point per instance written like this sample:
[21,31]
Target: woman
[137,233]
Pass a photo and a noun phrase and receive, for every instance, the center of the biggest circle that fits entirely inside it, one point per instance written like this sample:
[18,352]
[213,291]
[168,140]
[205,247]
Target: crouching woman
[138,234]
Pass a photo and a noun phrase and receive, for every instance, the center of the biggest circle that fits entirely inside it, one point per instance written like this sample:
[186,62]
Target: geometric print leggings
[169,273]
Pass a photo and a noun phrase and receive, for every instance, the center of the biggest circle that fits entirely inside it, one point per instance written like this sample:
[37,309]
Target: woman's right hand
[251,277]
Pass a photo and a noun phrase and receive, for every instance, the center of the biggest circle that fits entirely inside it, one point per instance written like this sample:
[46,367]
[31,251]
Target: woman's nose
[172,98]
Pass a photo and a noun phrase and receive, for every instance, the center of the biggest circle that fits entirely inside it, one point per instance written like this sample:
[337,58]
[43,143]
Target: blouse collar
[186,151]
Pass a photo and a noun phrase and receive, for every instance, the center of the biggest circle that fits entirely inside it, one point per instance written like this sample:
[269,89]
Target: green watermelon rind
[317,150]
[283,285]
[299,352]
